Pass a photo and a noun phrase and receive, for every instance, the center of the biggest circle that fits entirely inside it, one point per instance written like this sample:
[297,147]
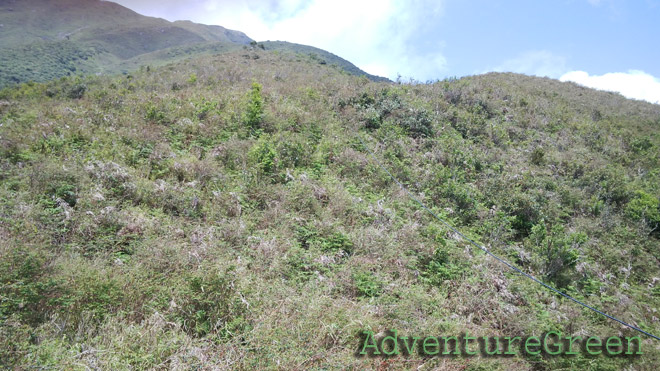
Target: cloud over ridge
[632,84]
[376,35]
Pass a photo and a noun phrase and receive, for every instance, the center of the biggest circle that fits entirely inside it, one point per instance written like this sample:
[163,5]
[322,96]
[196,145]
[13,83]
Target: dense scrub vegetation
[43,61]
[221,212]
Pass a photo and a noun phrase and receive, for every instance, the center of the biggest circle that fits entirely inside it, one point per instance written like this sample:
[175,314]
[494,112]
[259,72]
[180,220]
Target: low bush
[254,113]
[644,207]
[367,285]
[211,305]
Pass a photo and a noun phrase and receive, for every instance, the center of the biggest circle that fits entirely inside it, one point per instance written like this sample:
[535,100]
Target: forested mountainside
[222,212]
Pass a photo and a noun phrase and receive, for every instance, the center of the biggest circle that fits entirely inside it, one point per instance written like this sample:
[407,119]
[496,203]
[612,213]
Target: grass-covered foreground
[221,213]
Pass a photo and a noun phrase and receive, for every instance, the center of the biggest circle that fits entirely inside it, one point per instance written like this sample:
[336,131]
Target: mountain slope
[220,213]
[45,39]
[25,22]
[321,56]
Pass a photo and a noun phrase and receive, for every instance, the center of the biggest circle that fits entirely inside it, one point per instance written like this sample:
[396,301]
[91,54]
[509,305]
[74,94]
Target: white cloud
[535,62]
[379,36]
[632,84]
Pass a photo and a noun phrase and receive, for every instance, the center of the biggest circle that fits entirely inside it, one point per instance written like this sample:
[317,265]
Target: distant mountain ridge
[89,20]
[45,39]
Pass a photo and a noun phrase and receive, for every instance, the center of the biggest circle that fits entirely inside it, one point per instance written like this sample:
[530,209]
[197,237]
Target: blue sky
[607,44]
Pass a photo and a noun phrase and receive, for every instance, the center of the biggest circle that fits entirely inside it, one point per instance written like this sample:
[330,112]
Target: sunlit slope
[42,40]
[45,39]
[220,212]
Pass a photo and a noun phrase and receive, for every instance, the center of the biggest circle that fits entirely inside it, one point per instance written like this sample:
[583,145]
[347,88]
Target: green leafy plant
[263,155]
[28,290]
[644,207]
[558,251]
[212,305]
[538,156]
[328,241]
[254,114]
[155,114]
[367,285]
[439,267]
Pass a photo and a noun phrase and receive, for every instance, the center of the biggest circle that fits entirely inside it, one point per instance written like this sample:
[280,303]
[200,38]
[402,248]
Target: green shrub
[263,155]
[211,304]
[367,285]
[337,242]
[372,118]
[155,114]
[538,156]
[557,251]
[611,184]
[96,294]
[525,211]
[417,122]
[459,194]
[76,91]
[66,192]
[29,292]
[139,153]
[438,268]
[176,86]
[15,341]
[374,110]
[307,235]
[328,241]
[204,107]
[57,184]
[302,265]
[642,144]
[644,207]
[254,114]
[293,151]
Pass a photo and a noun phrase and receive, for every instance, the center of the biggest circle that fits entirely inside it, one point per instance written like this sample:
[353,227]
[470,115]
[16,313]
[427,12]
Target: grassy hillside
[25,22]
[221,213]
[41,40]
[46,39]
[321,56]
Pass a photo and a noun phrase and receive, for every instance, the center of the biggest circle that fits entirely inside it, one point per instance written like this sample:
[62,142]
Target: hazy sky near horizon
[606,44]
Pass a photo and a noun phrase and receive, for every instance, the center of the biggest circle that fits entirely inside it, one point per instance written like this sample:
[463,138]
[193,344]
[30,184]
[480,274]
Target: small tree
[255,109]
[263,155]
[557,250]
